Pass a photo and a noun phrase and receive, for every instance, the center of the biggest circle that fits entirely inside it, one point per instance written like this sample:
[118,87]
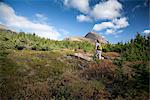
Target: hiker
[98,49]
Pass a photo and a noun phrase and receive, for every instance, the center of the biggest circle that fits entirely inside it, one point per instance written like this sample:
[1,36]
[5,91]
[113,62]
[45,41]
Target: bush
[20,47]
[141,77]
[134,50]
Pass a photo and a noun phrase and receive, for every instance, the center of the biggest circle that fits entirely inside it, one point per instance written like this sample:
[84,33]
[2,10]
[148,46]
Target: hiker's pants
[98,54]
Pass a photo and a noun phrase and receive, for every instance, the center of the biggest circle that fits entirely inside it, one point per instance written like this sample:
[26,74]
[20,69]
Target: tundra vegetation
[36,68]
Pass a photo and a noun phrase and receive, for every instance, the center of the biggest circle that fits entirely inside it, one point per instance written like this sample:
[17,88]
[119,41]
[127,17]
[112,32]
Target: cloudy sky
[116,20]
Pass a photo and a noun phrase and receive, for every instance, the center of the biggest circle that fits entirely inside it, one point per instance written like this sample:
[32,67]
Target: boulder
[82,56]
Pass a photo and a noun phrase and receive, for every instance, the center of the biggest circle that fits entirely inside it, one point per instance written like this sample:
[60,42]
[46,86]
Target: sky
[115,20]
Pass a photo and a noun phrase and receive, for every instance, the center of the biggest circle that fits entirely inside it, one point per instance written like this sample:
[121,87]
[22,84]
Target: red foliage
[105,68]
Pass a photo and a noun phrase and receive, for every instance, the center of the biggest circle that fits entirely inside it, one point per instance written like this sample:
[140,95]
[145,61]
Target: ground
[55,74]
[33,74]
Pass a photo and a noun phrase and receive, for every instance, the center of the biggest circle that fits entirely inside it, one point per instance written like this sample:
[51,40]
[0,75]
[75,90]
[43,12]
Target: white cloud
[103,37]
[110,31]
[103,25]
[146,31]
[110,10]
[120,23]
[83,18]
[112,27]
[120,31]
[81,5]
[12,20]
[113,31]
[64,31]
[107,10]
[41,17]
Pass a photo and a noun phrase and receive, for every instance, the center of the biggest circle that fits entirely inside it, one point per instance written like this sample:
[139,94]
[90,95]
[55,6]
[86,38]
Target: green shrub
[20,41]
[141,76]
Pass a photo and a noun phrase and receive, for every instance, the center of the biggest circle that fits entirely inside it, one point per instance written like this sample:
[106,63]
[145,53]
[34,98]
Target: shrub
[20,47]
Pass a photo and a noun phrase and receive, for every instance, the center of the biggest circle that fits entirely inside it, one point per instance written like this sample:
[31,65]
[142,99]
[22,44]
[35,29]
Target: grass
[28,74]
[36,68]
[22,68]
[33,74]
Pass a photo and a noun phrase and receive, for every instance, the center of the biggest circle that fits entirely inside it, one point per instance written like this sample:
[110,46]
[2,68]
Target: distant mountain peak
[90,36]
[94,36]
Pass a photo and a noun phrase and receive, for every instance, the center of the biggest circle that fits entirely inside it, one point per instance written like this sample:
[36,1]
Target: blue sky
[116,20]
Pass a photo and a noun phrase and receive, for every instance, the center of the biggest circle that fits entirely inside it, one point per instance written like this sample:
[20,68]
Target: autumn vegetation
[37,68]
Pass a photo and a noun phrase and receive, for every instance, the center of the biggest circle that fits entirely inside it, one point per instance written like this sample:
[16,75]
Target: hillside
[36,68]
[3,27]
[76,39]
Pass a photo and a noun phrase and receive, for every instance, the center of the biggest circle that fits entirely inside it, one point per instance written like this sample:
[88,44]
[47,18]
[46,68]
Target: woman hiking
[98,49]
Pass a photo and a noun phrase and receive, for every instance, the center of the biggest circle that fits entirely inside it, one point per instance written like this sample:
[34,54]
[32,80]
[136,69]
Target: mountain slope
[3,27]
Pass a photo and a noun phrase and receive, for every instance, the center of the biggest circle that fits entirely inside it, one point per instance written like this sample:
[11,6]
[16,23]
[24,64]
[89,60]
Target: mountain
[91,36]
[94,36]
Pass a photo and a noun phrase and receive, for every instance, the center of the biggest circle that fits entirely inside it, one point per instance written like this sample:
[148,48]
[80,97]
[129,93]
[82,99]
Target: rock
[20,47]
[68,56]
[82,56]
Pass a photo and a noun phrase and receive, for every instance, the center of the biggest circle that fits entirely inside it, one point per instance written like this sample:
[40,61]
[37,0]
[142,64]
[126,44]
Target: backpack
[99,47]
